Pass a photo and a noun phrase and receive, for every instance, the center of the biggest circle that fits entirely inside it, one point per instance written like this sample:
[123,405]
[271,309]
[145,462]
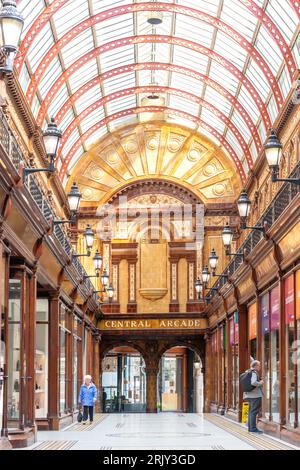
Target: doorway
[180,381]
[123,381]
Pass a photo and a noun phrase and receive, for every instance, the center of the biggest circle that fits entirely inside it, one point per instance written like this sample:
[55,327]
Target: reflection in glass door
[124,383]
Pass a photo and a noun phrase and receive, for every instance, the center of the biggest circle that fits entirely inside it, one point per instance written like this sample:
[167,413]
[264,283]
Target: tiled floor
[164,431]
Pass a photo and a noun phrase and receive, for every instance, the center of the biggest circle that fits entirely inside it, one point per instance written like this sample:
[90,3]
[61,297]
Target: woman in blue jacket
[87,398]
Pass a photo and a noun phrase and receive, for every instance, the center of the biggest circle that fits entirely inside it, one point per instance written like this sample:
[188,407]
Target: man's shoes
[256,431]
[83,422]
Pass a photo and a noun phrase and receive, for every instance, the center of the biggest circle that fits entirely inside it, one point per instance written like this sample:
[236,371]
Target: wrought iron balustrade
[14,152]
[281,201]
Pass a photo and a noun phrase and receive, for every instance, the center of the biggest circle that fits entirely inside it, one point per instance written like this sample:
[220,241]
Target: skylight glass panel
[52,73]
[253,151]
[258,79]
[88,98]
[219,74]
[95,137]
[230,137]
[35,106]
[285,82]
[71,141]
[269,50]
[78,154]
[123,121]
[43,42]
[59,99]
[262,132]
[240,124]
[239,18]
[231,50]
[117,57]
[296,50]
[284,17]
[65,18]
[68,118]
[162,52]
[219,101]
[185,105]
[272,108]
[146,77]
[115,28]
[102,5]
[121,104]
[248,103]
[83,75]
[24,78]
[194,30]
[92,118]
[126,80]
[212,120]
[181,121]
[208,6]
[30,10]
[185,83]
[245,166]
[73,49]
[190,59]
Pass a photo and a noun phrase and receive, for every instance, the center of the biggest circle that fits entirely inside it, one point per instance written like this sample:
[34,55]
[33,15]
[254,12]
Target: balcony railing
[283,198]
[16,155]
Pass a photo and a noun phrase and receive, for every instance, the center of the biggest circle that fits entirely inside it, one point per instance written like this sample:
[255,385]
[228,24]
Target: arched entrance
[123,381]
[180,381]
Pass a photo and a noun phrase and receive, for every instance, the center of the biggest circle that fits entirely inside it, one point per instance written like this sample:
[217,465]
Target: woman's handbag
[79,416]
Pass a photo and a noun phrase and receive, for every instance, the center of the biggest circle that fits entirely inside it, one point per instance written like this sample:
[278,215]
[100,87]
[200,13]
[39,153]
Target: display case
[41,389]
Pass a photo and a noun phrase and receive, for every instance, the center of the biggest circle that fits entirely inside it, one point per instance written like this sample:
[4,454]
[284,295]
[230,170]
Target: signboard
[265,314]
[298,295]
[236,327]
[275,308]
[154,323]
[289,299]
[252,321]
[231,331]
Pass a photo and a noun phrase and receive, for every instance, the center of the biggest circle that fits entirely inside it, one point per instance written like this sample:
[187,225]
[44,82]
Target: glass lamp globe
[244,205]
[273,150]
[227,236]
[213,260]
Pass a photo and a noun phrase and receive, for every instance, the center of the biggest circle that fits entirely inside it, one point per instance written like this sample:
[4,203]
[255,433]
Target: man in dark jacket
[254,397]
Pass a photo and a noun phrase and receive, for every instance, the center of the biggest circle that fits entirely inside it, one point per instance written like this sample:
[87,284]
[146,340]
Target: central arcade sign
[155,324]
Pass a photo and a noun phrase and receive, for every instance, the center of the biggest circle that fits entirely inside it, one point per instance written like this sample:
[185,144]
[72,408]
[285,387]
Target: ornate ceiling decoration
[221,67]
[154,158]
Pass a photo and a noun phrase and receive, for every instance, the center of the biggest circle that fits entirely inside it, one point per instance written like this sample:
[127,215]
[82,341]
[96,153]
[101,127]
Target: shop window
[41,359]
[274,351]
[234,385]
[14,346]
[62,372]
[252,331]
[297,351]
[290,343]
[264,304]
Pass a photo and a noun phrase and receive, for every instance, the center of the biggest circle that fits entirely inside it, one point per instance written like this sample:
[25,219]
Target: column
[96,369]
[54,348]
[151,389]
[174,305]
[207,375]
[132,305]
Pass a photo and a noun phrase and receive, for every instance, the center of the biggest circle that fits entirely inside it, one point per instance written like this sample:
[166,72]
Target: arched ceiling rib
[226,66]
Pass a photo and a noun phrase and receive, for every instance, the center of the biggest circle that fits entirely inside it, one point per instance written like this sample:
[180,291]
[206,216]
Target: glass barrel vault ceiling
[223,67]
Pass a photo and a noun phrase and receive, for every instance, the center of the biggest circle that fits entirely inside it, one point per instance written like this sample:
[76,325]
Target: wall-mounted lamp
[273,153]
[244,207]
[227,237]
[52,137]
[11,26]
